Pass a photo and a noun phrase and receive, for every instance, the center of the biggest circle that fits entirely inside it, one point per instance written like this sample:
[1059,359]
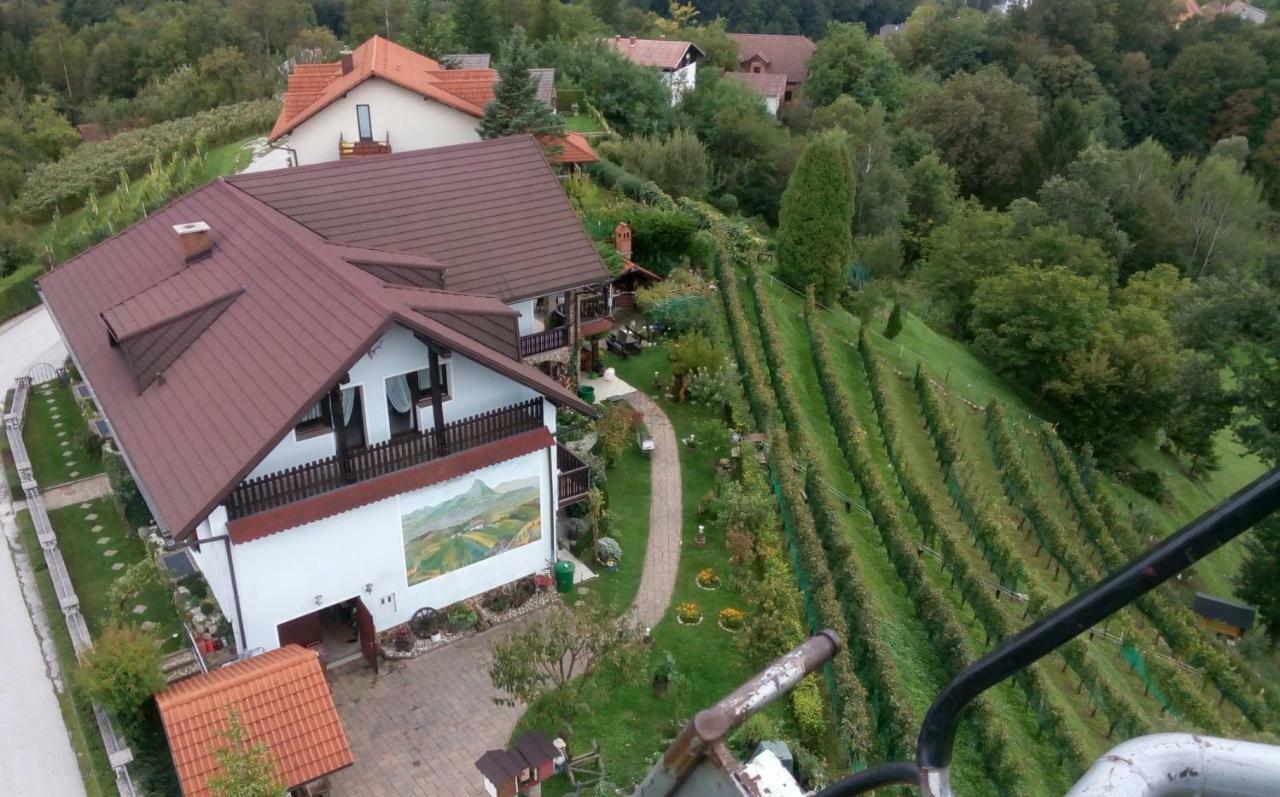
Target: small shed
[539,754]
[1223,615]
[501,771]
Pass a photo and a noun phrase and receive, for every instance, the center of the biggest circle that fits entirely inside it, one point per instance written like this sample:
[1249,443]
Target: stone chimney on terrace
[622,239]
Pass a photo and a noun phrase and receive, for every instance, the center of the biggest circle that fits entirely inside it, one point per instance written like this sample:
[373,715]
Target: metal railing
[359,149]
[369,462]
[547,340]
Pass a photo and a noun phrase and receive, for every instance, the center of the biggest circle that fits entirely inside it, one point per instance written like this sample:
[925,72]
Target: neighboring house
[321,376]
[678,61]
[545,77]
[382,98]
[771,88]
[769,54]
[1224,616]
[1209,11]
[284,704]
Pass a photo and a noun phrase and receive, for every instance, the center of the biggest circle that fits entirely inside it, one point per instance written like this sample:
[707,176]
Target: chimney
[622,239]
[194,240]
[633,41]
[348,62]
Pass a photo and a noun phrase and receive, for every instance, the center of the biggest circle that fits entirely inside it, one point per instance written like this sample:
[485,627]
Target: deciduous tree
[245,767]
[121,671]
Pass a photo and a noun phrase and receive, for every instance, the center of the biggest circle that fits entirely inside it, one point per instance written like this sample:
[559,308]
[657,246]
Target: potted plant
[542,581]
[707,579]
[664,674]
[731,619]
[688,613]
[608,553]
[402,640]
[700,538]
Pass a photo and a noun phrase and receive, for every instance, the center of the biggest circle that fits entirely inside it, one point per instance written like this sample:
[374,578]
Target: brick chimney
[633,41]
[348,61]
[194,240]
[622,239]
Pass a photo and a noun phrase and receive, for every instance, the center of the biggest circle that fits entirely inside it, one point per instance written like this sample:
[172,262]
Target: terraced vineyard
[933,527]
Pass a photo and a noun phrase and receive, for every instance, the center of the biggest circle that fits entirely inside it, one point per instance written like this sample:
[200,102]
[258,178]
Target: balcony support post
[437,406]
[339,434]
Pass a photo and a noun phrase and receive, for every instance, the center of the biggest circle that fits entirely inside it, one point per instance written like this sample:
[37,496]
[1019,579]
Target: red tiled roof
[307,314]
[312,87]
[573,148]
[283,702]
[662,53]
[761,83]
[782,55]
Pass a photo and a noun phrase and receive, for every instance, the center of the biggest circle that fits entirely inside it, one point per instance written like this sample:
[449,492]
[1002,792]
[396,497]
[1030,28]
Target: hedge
[97,168]
[18,292]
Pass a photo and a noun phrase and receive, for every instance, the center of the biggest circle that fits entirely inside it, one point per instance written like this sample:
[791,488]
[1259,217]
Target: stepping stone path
[64,442]
[149,625]
[117,566]
[85,505]
[139,609]
[96,529]
[55,416]
[58,424]
[74,473]
[110,552]
[66,454]
[91,516]
[62,434]
[104,540]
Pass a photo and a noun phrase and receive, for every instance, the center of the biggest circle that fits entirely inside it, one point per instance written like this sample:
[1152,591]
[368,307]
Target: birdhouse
[501,771]
[539,755]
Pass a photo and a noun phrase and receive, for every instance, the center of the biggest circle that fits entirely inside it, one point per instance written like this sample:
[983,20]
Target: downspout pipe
[225,539]
[1183,765]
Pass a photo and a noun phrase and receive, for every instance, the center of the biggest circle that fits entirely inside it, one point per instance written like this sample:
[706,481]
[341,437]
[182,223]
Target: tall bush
[814,241]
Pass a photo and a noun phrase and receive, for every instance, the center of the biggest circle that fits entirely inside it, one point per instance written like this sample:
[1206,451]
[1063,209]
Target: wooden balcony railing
[574,479]
[369,462]
[359,149]
[592,306]
[546,340]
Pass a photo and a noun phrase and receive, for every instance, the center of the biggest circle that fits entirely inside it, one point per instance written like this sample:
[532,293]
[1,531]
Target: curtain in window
[424,380]
[398,393]
[315,413]
[348,405]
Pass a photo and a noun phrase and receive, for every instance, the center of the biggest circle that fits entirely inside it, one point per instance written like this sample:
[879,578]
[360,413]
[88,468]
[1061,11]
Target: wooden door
[368,636]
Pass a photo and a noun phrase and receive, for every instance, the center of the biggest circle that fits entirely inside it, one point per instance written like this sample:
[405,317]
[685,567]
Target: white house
[382,98]
[678,61]
[771,88]
[330,384]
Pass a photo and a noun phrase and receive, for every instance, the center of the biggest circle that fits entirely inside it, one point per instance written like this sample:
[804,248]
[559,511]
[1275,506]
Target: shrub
[126,489]
[608,551]
[731,618]
[679,164]
[122,671]
[894,326]
[708,579]
[16,249]
[689,612]
[18,292]
[615,428]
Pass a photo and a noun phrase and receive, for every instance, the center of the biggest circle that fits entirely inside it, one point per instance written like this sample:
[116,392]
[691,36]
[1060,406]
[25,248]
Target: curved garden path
[662,555]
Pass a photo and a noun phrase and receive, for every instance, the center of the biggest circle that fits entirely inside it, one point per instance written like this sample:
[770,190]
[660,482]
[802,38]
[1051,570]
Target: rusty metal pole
[703,737]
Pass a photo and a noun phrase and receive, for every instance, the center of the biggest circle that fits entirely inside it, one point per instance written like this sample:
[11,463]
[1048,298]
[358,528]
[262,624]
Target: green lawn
[53,432]
[581,124]
[77,709]
[91,569]
[631,724]
[628,494]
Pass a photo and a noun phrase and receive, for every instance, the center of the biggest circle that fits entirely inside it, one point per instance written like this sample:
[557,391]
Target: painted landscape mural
[470,527]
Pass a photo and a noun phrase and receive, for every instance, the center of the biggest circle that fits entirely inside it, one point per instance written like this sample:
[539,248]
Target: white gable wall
[361,553]
[412,121]
[474,388]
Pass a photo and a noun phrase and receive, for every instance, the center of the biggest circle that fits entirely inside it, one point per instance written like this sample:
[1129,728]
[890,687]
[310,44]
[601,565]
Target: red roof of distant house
[283,702]
[573,148]
[762,83]
[782,55]
[314,264]
[662,53]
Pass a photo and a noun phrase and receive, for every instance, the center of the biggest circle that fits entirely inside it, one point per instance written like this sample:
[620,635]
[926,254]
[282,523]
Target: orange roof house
[283,701]
[313,88]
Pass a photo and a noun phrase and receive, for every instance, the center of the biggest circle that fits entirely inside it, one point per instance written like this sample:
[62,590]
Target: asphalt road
[36,758]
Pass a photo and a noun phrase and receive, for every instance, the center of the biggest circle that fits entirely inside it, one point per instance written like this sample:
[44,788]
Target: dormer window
[317,421]
[364,123]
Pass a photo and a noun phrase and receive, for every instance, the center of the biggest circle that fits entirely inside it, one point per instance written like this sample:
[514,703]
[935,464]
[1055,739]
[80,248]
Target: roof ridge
[251,668]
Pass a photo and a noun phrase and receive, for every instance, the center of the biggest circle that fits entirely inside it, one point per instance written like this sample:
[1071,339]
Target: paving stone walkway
[417,728]
[662,556]
[77,492]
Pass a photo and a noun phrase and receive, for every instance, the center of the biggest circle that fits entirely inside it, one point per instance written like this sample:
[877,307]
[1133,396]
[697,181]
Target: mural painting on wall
[470,527]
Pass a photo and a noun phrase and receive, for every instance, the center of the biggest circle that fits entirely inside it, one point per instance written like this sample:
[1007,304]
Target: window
[364,123]
[407,392]
[423,381]
[317,421]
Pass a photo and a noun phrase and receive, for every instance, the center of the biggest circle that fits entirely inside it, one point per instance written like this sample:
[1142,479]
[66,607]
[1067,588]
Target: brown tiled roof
[283,702]
[573,148]
[762,83]
[466,61]
[353,496]
[662,53]
[500,766]
[492,213]
[306,314]
[783,55]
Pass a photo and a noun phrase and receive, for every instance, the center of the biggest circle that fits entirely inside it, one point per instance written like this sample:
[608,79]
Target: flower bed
[485,618]
[689,613]
[708,580]
[731,619]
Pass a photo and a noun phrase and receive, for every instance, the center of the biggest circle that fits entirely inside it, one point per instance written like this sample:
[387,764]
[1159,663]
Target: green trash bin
[587,393]
[564,576]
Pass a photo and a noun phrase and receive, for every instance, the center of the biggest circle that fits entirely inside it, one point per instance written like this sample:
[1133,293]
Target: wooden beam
[437,405]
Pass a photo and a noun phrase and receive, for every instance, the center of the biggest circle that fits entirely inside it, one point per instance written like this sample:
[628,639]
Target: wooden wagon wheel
[425,622]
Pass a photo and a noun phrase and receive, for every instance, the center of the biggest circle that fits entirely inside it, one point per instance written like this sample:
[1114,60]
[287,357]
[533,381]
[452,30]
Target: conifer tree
[815,244]
[515,108]
[477,25]
[894,326]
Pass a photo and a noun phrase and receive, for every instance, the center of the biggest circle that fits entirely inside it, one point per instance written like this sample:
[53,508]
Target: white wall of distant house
[412,122]
[473,388]
[681,80]
[361,554]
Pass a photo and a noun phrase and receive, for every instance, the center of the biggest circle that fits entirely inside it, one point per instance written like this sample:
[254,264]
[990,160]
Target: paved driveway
[35,753]
[417,729]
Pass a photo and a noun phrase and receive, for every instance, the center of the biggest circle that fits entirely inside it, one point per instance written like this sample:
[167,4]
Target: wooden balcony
[574,477]
[547,340]
[592,306]
[361,149]
[369,462]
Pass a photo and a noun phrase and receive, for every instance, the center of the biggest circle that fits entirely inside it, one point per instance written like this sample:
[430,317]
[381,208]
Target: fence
[118,754]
